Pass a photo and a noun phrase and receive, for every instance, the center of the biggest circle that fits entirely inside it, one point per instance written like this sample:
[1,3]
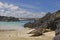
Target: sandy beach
[22,35]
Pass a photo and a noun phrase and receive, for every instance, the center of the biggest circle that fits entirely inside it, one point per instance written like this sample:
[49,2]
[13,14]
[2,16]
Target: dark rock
[29,24]
[57,37]
[38,30]
[36,34]
[57,31]
[32,25]
[39,22]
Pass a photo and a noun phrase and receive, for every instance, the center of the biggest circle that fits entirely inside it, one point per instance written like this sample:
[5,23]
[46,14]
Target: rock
[57,37]
[39,22]
[32,25]
[57,31]
[29,25]
[37,32]
[44,23]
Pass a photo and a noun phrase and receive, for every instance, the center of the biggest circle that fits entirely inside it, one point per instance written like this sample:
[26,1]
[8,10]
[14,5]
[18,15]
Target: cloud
[15,11]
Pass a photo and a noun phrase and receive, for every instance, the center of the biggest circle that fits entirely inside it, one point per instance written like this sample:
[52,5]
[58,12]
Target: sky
[28,8]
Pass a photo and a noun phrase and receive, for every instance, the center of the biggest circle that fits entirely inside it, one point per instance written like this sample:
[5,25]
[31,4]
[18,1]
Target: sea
[13,25]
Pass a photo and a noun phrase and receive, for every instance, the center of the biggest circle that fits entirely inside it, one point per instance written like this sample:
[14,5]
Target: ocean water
[13,25]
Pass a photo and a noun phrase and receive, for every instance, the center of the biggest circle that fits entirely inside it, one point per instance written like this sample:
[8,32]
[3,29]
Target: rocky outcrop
[57,31]
[4,18]
[46,22]
[39,22]
[32,25]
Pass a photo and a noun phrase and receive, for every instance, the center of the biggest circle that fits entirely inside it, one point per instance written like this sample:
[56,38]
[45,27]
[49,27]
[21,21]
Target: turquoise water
[12,25]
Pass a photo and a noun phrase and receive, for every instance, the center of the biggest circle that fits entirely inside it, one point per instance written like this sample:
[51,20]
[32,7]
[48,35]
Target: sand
[22,35]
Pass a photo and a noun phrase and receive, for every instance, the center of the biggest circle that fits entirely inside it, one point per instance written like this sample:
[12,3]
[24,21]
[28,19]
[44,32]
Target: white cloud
[1,4]
[12,10]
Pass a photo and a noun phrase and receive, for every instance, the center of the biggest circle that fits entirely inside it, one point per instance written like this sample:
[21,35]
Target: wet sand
[22,35]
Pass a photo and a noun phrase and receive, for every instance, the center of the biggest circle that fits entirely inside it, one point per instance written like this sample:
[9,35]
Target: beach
[22,35]
[29,19]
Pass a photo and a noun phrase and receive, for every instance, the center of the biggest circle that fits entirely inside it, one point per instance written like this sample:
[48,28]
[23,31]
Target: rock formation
[46,22]
[39,22]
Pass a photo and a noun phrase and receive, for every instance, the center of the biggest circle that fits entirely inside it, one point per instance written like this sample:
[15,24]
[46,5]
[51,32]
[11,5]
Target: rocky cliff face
[39,22]
[49,17]
[4,18]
